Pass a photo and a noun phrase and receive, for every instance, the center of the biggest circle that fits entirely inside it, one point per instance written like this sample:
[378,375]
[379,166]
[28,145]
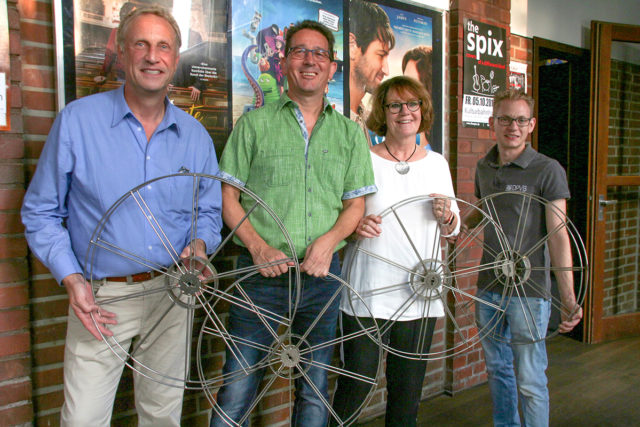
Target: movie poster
[200,84]
[388,39]
[485,71]
[257,46]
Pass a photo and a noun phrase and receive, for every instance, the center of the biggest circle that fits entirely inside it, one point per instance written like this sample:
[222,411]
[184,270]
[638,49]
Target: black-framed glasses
[520,121]
[395,107]
[298,52]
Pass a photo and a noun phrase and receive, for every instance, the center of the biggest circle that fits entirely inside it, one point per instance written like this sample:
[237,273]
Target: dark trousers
[404,376]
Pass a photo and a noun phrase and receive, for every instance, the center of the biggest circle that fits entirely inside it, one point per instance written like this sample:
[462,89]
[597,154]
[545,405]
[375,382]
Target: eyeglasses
[520,121]
[298,52]
[395,107]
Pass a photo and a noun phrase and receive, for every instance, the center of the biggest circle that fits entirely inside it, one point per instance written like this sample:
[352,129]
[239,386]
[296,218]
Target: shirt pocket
[279,169]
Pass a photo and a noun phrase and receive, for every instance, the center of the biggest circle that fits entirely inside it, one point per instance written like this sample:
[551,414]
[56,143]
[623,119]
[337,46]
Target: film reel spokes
[286,365]
[187,288]
[428,280]
[548,265]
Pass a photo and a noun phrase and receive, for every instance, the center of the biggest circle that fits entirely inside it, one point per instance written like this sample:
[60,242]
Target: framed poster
[387,39]
[88,56]
[258,30]
[485,71]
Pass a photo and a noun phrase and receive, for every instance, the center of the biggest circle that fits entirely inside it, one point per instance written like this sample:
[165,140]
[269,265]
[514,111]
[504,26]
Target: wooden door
[613,243]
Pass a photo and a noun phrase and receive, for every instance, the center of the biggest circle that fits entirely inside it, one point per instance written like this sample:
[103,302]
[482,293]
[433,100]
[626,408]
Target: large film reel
[187,292]
[524,271]
[283,357]
[431,275]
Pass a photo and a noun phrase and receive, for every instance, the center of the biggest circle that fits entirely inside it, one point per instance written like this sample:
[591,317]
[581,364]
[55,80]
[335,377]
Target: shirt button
[309,189]
[148,157]
[309,214]
[149,247]
[148,187]
[309,239]
[139,129]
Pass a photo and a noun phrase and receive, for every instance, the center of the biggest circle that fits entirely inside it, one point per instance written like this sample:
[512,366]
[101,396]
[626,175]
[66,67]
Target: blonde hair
[152,10]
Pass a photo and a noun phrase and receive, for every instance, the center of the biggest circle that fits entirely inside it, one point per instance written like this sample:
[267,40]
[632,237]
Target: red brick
[39,101]
[14,368]
[11,173]
[14,344]
[12,247]
[49,309]
[11,147]
[38,55]
[36,32]
[15,392]
[48,355]
[16,67]
[14,42]
[38,78]
[13,296]
[46,288]
[14,320]
[16,96]
[36,10]
[49,333]
[47,378]
[17,415]
[38,125]
[32,149]
[10,223]
[13,271]
[49,401]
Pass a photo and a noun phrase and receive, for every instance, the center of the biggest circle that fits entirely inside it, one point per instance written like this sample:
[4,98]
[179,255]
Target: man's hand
[83,304]
[266,254]
[570,318]
[197,249]
[317,258]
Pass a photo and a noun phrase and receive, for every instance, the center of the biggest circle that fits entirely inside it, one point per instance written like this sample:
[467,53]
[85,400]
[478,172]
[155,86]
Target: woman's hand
[441,208]
[369,226]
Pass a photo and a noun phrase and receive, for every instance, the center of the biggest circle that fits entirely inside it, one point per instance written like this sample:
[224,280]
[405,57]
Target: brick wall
[15,358]
[621,287]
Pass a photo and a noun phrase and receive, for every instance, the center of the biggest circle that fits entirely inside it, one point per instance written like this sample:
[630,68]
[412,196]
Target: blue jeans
[530,360]
[238,394]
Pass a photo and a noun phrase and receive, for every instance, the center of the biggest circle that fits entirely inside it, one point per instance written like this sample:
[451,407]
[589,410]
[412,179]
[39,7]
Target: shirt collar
[522,161]
[285,100]
[121,110]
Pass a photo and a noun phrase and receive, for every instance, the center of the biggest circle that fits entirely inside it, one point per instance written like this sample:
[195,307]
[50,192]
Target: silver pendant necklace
[402,167]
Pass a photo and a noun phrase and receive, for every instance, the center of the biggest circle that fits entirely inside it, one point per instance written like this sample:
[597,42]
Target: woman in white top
[401,109]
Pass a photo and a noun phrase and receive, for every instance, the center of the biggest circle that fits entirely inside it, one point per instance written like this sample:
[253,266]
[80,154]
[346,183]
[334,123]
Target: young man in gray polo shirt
[512,165]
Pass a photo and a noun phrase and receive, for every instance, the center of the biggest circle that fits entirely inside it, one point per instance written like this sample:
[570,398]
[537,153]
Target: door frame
[598,327]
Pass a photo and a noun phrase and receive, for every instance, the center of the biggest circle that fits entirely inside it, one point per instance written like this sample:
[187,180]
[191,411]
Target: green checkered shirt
[302,178]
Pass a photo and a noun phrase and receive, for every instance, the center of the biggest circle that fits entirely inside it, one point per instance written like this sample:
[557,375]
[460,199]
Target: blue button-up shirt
[96,152]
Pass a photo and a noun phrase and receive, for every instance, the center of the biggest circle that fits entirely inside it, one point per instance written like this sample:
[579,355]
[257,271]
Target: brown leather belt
[133,278]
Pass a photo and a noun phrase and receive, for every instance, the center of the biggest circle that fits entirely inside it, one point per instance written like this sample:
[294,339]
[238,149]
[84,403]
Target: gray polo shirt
[532,173]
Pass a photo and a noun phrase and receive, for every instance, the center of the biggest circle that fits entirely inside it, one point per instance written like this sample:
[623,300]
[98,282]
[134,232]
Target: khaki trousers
[92,371]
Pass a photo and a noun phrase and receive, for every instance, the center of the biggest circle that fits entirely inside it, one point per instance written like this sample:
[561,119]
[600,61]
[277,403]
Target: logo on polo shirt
[520,188]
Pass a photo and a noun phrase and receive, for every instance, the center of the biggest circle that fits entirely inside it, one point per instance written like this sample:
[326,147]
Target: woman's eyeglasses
[395,107]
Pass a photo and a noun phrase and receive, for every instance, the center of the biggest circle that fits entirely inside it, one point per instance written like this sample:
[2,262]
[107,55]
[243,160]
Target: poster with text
[485,71]
[388,39]
[258,31]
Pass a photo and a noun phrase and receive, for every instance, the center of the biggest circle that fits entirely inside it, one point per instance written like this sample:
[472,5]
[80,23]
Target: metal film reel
[432,280]
[524,270]
[189,291]
[283,356]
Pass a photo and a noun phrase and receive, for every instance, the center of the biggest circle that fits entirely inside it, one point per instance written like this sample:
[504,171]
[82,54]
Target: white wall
[569,21]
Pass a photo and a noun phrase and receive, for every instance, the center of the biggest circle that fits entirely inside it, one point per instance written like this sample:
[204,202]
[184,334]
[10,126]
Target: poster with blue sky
[258,30]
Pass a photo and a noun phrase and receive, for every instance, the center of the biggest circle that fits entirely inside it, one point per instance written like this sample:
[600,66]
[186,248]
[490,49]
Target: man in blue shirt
[99,148]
